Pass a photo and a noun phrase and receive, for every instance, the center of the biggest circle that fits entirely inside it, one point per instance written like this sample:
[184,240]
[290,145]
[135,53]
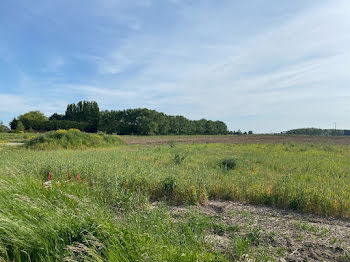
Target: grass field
[238,139]
[108,215]
[15,137]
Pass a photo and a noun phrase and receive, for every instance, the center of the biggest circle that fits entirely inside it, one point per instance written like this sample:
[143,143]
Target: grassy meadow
[15,137]
[106,214]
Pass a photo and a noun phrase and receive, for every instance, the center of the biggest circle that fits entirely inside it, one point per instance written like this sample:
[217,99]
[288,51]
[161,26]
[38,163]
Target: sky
[265,66]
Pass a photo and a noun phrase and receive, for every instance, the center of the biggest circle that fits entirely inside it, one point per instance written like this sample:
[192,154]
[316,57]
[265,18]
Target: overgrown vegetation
[105,214]
[228,163]
[307,178]
[72,139]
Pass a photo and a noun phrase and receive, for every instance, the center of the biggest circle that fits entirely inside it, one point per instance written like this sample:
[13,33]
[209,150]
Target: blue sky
[257,65]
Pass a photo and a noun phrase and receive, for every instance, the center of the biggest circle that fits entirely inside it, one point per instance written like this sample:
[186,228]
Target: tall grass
[72,139]
[105,216]
[307,178]
[73,222]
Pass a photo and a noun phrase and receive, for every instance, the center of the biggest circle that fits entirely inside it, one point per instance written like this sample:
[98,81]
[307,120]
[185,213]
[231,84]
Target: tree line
[317,132]
[86,116]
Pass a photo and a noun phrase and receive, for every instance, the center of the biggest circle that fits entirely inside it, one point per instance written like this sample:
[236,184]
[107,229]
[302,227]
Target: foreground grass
[106,216]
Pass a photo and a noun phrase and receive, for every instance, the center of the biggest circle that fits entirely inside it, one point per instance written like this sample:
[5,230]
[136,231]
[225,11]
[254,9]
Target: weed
[228,163]
[169,184]
[179,158]
[219,228]
[254,236]
[172,143]
[241,247]
[307,227]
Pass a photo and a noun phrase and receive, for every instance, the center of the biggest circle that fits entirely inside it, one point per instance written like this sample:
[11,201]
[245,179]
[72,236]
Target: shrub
[178,158]
[228,163]
[72,139]
[169,184]
[74,130]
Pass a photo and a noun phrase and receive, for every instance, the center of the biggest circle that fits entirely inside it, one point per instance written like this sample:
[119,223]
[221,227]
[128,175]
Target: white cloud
[295,63]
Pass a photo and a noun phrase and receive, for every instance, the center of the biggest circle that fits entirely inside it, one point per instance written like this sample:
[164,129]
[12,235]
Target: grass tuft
[228,163]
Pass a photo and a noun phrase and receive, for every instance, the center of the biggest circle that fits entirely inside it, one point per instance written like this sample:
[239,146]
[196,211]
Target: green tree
[20,126]
[3,128]
[56,116]
[33,116]
[84,111]
[13,124]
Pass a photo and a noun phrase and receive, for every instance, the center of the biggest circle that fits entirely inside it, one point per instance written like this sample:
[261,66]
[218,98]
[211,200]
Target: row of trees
[316,132]
[86,116]
[143,121]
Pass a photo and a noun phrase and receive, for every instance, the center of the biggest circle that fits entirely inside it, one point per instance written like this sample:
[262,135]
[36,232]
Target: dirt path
[284,235]
[14,144]
[236,139]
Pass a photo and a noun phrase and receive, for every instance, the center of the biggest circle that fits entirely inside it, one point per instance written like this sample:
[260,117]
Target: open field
[238,139]
[176,202]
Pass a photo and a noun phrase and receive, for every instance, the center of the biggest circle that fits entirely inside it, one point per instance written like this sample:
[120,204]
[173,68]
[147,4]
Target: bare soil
[14,144]
[283,235]
[238,139]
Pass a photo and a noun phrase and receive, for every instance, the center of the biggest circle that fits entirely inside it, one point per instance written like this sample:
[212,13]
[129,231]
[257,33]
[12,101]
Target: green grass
[16,137]
[106,215]
[72,139]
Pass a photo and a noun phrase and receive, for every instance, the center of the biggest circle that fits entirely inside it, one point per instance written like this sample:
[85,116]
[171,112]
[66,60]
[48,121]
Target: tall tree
[33,116]
[84,111]
[20,127]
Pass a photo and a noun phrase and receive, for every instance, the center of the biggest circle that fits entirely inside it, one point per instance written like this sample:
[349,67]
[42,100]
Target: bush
[179,158]
[169,184]
[72,139]
[74,130]
[228,163]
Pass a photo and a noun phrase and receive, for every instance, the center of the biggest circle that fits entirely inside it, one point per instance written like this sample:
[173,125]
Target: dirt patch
[14,144]
[282,235]
[236,139]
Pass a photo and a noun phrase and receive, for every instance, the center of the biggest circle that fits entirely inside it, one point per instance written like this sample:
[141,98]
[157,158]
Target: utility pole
[335,126]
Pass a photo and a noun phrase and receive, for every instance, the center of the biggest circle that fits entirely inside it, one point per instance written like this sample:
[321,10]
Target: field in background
[187,139]
[239,139]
